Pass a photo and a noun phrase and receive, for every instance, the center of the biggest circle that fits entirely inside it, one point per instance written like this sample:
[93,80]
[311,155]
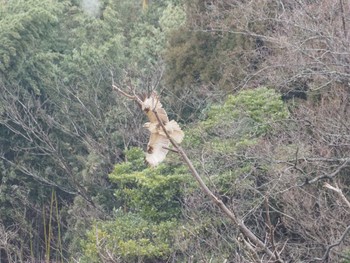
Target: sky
[91,7]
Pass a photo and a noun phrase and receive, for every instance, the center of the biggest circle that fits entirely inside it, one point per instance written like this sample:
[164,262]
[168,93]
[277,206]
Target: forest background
[261,89]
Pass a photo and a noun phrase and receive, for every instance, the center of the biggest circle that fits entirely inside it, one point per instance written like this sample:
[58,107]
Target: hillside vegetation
[260,88]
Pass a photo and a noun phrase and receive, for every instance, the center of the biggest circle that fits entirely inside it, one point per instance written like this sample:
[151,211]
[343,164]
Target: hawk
[158,144]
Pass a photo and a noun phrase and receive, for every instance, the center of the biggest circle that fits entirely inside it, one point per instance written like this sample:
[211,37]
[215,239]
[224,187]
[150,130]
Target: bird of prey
[157,147]
[151,104]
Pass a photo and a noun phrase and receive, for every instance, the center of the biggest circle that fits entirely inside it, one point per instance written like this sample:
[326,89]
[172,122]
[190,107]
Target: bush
[154,193]
[128,238]
[147,213]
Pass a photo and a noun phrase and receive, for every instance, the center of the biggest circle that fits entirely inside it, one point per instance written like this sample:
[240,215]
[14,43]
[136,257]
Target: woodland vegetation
[260,88]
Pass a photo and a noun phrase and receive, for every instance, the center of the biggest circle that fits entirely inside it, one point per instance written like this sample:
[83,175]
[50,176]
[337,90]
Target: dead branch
[313,159]
[132,97]
[170,149]
[330,247]
[338,191]
[327,176]
[346,201]
[345,31]
[271,228]
[239,222]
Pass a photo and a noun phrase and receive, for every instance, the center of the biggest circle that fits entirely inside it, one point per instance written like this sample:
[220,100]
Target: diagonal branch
[239,222]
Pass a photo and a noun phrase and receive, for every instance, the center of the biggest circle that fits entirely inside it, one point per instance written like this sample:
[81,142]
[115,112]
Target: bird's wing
[174,131]
[152,127]
[156,152]
[152,103]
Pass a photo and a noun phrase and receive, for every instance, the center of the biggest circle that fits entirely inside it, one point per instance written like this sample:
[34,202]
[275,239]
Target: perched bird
[150,104]
[157,147]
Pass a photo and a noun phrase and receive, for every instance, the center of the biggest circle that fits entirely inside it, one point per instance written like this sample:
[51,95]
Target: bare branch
[330,247]
[330,176]
[242,227]
[345,31]
[170,149]
[338,191]
[271,228]
[132,97]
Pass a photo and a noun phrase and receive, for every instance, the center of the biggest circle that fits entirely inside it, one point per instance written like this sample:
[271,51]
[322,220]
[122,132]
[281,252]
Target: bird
[158,144]
[157,147]
[151,104]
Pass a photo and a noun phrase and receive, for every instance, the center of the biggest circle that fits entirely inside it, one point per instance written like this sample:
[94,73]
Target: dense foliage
[261,89]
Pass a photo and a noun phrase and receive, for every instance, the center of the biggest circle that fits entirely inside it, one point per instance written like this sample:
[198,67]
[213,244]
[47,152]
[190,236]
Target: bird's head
[150,102]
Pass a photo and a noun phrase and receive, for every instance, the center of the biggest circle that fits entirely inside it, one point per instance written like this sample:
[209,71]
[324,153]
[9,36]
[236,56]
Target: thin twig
[170,149]
[132,97]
